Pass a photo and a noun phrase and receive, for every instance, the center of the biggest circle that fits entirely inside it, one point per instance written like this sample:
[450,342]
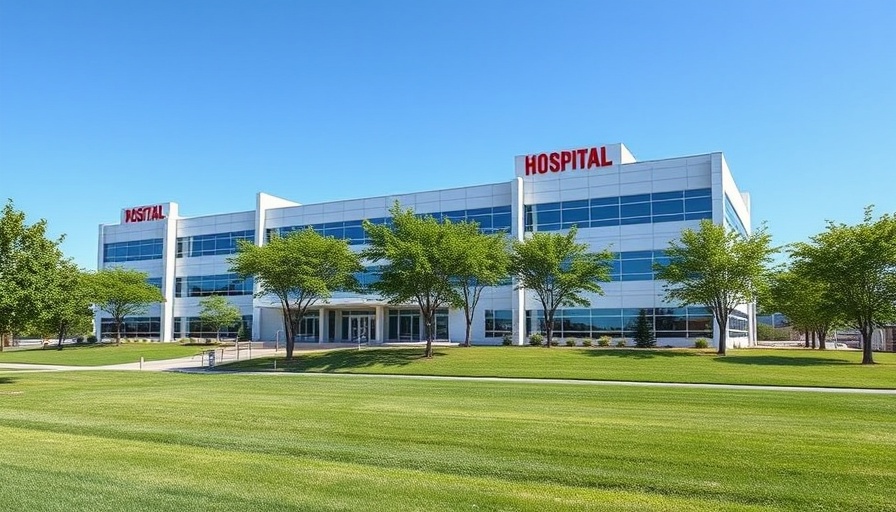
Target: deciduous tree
[217,312]
[123,292]
[27,258]
[805,301]
[418,264]
[718,268]
[68,298]
[559,272]
[481,260]
[858,264]
[299,269]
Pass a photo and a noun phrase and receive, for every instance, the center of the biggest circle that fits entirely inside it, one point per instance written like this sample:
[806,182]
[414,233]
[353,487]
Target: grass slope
[99,354]
[115,441]
[773,367]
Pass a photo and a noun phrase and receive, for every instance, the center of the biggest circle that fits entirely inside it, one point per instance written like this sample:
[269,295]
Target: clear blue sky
[110,104]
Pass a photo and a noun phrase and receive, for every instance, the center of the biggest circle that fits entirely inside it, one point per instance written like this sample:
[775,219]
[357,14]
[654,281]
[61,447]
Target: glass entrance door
[358,326]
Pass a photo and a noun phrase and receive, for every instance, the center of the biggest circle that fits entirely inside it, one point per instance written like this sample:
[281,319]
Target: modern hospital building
[632,208]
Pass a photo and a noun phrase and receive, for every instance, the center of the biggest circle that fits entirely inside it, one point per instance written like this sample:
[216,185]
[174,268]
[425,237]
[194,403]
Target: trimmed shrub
[555,342]
[701,343]
[536,340]
[507,340]
[91,339]
[586,342]
[571,342]
[79,340]
[604,341]
[620,343]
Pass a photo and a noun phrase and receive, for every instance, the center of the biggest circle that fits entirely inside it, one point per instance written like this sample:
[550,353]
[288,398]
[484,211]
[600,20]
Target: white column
[517,232]
[169,261]
[380,324]
[321,325]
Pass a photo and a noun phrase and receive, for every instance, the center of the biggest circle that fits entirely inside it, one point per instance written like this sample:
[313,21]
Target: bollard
[275,364]
[141,362]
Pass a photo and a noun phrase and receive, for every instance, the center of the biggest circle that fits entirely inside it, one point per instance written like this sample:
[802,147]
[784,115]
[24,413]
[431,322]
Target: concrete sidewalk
[197,362]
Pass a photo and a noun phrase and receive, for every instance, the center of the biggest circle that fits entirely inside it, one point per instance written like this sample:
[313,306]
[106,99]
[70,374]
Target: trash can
[211,358]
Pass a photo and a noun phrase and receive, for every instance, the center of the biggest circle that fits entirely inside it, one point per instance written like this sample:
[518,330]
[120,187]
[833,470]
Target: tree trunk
[723,336]
[867,356]
[548,329]
[117,333]
[469,317]
[806,344]
[813,339]
[61,335]
[287,330]
[429,334]
[822,334]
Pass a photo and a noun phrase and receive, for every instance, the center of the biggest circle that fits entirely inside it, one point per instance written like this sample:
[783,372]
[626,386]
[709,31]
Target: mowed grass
[833,368]
[117,441]
[99,354]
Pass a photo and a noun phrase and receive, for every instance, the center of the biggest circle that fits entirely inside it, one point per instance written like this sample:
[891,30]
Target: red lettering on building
[583,159]
[144,213]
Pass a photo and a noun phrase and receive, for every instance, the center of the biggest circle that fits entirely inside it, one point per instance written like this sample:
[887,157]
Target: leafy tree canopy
[27,260]
[299,269]
[217,312]
[123,292]
[419,263]
[858,265]
[480,260]
[717,268]
[558,271]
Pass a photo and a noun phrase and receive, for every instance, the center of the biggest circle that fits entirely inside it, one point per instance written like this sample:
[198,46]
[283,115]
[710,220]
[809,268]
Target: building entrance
[358,326]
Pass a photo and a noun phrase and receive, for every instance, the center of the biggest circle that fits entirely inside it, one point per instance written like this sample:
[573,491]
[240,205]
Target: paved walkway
[198,364]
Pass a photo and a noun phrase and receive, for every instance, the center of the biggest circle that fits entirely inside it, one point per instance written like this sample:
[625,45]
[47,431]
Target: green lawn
[122,441]
[775,367]
[100,354]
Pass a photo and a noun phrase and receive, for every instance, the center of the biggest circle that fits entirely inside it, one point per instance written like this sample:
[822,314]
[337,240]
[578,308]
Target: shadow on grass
[783,361]
[7,380]
[338,360]
[640,353]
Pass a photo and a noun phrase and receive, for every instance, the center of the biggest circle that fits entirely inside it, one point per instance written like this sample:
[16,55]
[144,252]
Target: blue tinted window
[575,215]
[668,218]
[639,198]
[698,192]
[218,284]
[135,250]
[549,217]
[615,322]
[604,201]
[608,222]
[698,204]
[666,207]
[604,212]
[661,196]
[213,244]
[635,210]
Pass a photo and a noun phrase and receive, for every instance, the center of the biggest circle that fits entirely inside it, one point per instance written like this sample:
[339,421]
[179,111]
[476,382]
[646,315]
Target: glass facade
[738,325]
[690,322]
[155,281]
[193,327]
[135,250]
[636,265]
[498,322]
[732,219]
[622,210]
[132,327]
[491,220]
[220,284]
[212,245]
[406,325]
